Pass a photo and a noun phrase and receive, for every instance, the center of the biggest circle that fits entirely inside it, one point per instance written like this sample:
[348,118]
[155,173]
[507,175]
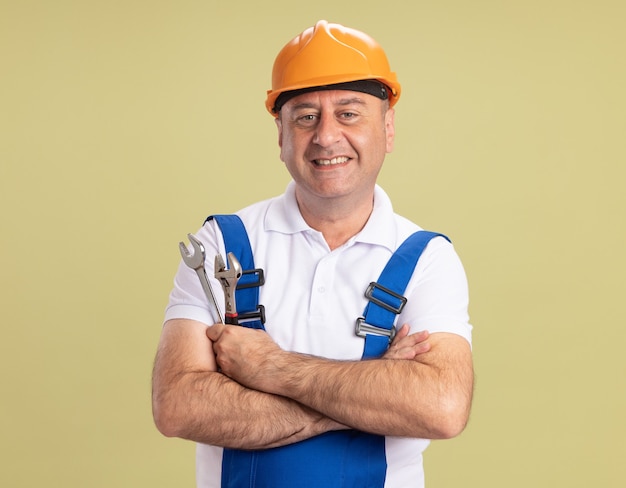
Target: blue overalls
[337,459]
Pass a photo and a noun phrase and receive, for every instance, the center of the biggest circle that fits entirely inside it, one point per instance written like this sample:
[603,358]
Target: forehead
[331,99]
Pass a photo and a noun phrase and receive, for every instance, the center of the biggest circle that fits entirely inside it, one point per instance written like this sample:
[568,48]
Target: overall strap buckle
[388,299]
[362,329]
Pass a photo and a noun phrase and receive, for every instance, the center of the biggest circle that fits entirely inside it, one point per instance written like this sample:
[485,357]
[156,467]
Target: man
[295,404]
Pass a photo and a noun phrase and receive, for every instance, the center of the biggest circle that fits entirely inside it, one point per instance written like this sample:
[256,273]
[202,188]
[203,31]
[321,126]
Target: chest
[312,297]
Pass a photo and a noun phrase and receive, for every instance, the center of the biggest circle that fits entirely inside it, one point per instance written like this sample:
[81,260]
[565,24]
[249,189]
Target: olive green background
[124,123]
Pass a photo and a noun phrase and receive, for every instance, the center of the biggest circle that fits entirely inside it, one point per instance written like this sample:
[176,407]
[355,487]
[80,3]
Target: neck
[338,221]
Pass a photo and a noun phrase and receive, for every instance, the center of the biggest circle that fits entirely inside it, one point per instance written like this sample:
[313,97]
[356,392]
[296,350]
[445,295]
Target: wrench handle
[208,291]
[231,319]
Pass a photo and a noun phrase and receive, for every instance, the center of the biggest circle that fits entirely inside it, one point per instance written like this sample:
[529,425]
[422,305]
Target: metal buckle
[363,328]
[258,314]
[369,295]
[260,279]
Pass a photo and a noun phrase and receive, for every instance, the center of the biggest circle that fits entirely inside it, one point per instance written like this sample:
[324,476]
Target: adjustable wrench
[196,262]
[228,278]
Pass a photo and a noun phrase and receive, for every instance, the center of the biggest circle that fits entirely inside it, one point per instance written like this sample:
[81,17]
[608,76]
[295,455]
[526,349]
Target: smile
[331,162]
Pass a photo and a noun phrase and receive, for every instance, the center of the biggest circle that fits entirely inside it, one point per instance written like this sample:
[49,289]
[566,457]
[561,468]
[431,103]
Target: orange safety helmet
[328,54]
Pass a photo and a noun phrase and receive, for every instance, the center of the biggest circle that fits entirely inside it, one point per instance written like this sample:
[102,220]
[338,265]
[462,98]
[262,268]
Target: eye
[348,116]
[306,120]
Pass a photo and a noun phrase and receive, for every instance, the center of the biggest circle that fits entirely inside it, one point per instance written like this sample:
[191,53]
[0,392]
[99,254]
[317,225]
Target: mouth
[331,162]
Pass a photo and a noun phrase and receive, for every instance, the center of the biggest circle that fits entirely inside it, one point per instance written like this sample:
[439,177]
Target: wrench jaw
[228,278]
[194,260]
[234,266]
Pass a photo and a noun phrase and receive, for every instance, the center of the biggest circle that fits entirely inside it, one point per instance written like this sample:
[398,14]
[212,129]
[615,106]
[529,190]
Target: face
[334,142]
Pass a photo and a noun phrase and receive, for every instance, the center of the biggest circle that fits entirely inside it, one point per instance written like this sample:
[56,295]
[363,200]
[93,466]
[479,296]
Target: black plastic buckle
[260,279]
[362,329]
[258,314]
[369,294]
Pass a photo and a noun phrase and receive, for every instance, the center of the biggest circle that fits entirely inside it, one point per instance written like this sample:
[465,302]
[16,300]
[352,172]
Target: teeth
[329,162]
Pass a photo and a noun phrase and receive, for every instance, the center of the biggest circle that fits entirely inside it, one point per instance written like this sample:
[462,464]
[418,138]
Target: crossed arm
[263,396]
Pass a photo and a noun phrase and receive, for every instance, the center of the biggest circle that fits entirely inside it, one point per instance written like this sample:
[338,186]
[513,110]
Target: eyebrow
[350,101]
[342,102]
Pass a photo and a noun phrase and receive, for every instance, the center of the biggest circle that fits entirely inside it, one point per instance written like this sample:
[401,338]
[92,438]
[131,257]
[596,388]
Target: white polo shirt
[313,296]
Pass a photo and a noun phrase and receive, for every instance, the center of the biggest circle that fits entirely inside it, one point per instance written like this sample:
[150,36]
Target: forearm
[386,397]
[426,397]
[192,400]
[236,417]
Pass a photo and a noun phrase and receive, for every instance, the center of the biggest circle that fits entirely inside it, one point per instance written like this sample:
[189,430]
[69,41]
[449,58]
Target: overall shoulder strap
[236,240]
[385,296]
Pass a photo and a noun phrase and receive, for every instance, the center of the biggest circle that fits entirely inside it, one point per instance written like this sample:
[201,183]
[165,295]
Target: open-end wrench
[196,262]
[228,278]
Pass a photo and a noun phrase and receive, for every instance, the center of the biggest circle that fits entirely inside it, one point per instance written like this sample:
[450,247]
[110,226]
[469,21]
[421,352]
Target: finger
[421,348]
[416,338]
[421,336]
[401,353]
[214,332]
[408,347]
[417,342]
[408,351]
[401,333]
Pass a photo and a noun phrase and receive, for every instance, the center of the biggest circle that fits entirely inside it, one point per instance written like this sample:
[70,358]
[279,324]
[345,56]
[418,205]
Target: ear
[279,126]
[390,129]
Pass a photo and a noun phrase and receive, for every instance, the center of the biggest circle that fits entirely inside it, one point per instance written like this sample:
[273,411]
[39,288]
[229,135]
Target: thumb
[214,332]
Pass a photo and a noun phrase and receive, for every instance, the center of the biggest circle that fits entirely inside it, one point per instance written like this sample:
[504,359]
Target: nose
[328,131]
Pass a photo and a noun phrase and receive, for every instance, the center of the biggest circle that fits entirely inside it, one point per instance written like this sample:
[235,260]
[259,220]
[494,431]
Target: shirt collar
[284,216]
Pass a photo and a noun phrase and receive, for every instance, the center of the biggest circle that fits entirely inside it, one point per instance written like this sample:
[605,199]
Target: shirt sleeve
[437,294]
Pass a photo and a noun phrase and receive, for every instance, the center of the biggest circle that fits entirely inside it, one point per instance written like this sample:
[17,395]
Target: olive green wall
[124,123]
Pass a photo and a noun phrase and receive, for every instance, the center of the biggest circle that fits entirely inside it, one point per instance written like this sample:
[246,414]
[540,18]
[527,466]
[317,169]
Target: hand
[405,346]
[243,354]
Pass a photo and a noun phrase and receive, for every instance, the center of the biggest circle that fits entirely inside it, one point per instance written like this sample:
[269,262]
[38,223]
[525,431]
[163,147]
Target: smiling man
[362,352]
[333,143]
